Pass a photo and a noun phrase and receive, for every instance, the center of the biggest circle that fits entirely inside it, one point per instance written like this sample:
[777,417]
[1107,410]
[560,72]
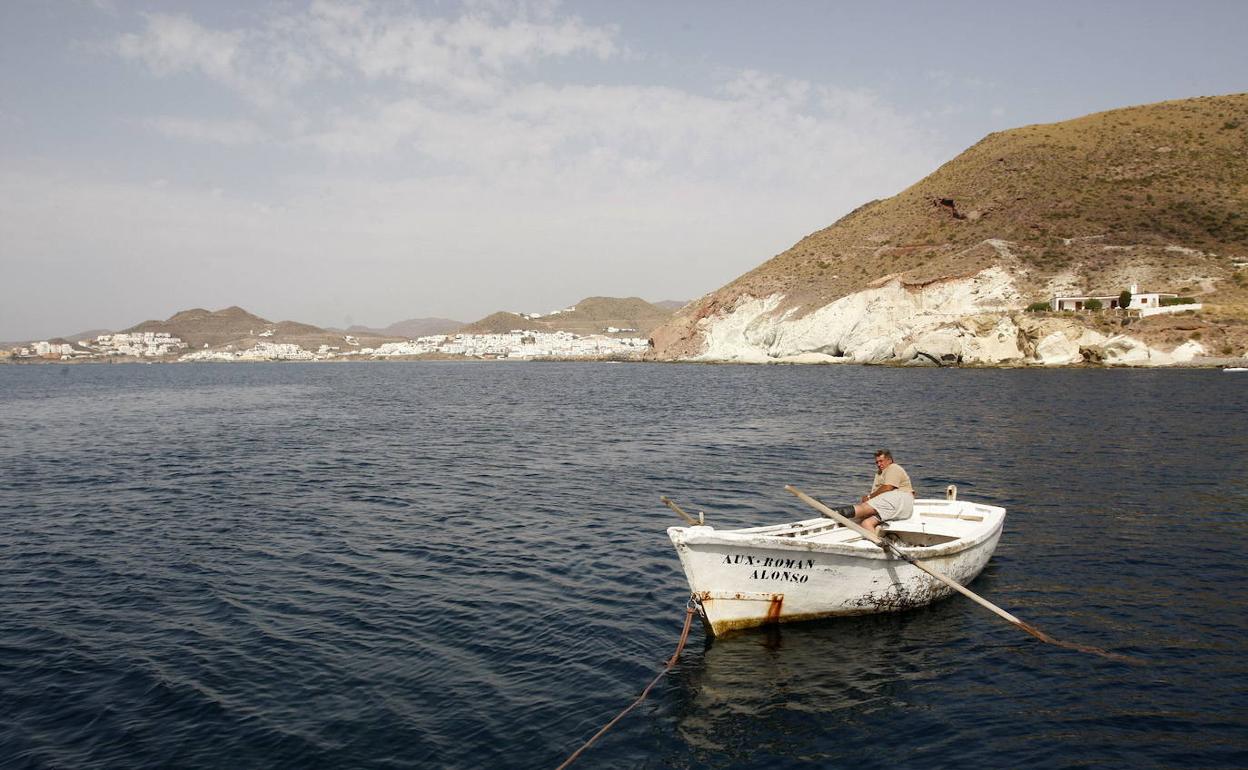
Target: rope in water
[684,635]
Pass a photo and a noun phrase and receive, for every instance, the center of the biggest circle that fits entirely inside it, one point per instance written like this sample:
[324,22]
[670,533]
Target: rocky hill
[236,327]
[594,315]
[1155,196]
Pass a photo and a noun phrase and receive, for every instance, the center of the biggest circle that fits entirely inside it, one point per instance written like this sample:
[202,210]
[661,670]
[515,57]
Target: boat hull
[744,582]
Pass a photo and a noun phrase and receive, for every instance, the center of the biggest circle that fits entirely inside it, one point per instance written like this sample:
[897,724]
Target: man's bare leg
[866,516]
[862,514]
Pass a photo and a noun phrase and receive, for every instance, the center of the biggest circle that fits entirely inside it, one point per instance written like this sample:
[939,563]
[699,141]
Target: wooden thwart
[955,585]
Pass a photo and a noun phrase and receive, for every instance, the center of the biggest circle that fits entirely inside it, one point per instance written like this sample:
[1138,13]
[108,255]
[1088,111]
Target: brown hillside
[499,323]
[1155,195]
[236,327]
[198,327]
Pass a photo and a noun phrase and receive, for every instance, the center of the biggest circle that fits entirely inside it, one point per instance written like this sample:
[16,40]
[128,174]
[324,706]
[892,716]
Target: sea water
[464,565]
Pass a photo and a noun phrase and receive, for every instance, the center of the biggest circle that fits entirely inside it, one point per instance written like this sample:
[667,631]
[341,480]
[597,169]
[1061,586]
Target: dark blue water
[465,565]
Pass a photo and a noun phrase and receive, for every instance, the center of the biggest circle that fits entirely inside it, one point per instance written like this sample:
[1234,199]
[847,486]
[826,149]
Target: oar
[955,585]
[672,504]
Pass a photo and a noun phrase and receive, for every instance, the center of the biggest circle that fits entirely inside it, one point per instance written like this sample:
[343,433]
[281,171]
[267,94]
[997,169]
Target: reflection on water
[846,672]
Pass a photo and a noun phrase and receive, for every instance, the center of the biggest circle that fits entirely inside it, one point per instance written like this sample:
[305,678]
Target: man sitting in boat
[891,497]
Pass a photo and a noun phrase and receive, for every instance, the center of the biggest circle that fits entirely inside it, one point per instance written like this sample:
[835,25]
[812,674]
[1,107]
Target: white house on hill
[1146,303]
[1139,301]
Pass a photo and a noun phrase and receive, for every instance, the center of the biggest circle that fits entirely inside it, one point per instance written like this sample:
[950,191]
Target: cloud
[459,95]
[454,165]
[327,244]
[757,130]
[466,56]
[554,193]
[225,132]
[175,44]
[104,6]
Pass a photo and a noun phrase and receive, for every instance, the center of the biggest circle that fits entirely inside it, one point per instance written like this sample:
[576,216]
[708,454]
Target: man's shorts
[893,505]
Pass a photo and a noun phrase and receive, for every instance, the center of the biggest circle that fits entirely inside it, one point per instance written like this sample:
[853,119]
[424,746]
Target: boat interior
[934,522]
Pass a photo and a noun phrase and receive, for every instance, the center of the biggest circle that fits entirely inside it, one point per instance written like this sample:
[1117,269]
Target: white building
[52,349]
[138,344]
[515,344]
[1139,301]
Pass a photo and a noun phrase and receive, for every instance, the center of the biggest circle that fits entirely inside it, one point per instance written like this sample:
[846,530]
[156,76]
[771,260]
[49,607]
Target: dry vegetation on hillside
[235,326]
[1154,195]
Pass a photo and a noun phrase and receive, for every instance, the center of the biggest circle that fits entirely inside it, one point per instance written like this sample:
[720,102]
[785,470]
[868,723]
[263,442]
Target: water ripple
[454,565]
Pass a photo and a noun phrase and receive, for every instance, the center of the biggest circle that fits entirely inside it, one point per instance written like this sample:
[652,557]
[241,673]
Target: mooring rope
[689,611]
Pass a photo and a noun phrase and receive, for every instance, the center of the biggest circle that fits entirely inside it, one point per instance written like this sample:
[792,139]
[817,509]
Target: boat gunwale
[689,537]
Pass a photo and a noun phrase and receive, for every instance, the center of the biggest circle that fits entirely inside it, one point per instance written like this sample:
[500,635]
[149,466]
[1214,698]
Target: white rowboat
[817,568]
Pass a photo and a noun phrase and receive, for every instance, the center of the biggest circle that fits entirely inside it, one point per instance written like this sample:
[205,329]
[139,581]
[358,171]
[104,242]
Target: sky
[344,162]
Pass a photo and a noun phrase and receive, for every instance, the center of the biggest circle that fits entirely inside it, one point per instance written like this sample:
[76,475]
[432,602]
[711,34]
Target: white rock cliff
[973,321]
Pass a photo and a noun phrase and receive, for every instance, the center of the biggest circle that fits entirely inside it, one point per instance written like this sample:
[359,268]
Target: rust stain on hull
[894,598]
[725,627]
[773,609]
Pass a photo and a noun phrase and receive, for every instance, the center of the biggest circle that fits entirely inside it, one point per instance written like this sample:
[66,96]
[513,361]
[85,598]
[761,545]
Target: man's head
[883,458]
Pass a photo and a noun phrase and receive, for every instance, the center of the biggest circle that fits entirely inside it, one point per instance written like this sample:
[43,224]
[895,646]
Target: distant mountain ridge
[240,329]
[592,315]
[89,334]
[412,328]
[235,326]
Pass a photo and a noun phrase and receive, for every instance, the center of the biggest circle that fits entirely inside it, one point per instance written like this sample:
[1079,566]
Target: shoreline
[1201,363]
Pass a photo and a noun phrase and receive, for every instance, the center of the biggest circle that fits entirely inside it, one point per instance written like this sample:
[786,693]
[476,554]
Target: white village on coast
[517,344]
[597,328]
[1026,249]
